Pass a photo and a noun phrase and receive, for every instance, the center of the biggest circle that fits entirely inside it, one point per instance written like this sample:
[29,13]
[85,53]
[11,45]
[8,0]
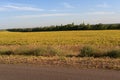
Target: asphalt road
[25,72]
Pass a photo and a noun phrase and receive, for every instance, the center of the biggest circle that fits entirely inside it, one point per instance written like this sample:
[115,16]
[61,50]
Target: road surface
[29,72]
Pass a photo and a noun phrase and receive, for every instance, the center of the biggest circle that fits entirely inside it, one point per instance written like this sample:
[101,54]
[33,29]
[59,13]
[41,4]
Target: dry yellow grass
[100,63]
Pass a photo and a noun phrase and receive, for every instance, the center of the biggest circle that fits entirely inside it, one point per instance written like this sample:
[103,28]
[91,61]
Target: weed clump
[6,52]
[32,51]
[86,51]
[113,54]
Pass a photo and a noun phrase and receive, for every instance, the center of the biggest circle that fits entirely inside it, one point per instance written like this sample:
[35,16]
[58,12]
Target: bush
[113,54]
[87,52]
[34,52]
[6,52]
[55,52]
[39,51]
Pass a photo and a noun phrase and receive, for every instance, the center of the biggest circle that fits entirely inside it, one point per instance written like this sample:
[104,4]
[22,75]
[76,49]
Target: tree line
[69,27]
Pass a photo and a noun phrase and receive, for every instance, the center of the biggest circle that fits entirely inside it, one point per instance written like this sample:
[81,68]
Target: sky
[36,13]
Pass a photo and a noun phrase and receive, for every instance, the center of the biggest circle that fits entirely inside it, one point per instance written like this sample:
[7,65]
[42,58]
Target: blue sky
[34,13]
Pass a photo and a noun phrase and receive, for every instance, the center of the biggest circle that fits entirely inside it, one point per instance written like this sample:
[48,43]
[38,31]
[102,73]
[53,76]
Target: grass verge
[88,51]
[50,51]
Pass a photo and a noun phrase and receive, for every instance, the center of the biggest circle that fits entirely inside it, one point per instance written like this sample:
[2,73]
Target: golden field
[97,38]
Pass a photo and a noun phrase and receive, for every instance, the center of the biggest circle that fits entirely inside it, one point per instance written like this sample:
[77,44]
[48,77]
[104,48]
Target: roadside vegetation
[88,51]
[49,51]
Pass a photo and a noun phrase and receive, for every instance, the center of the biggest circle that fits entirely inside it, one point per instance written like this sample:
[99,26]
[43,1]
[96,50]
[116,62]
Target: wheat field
[104,38]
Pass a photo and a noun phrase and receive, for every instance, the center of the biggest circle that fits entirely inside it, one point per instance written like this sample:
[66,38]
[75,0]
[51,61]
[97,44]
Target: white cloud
[20,7]
[67,5]
[46,15]
[24,8]
[104,5]
[100,13]
[54,10]
[2,9]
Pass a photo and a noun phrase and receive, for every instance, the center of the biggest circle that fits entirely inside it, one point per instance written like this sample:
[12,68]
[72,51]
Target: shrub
[6,52]
[113,54]
[55,52]
[39,51]
[30,51]
[87,51]
[34,52]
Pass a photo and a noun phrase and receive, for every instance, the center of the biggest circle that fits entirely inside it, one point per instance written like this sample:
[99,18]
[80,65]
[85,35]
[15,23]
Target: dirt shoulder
[82,63]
